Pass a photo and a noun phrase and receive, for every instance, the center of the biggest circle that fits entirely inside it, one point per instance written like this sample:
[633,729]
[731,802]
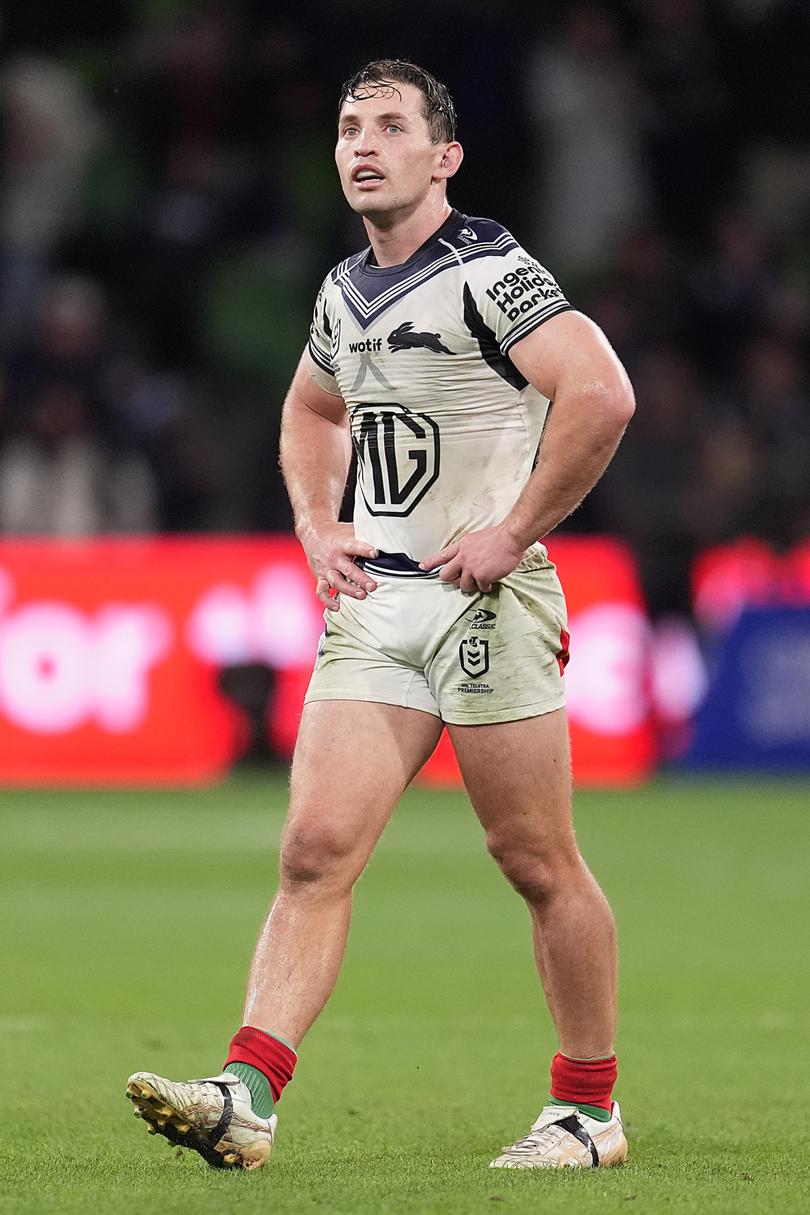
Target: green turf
[128,921]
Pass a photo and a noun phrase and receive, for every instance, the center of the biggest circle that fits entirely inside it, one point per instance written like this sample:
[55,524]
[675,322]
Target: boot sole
[162,1119]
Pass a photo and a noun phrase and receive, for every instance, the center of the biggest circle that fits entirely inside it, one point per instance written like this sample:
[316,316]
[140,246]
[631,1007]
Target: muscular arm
[315,451]
[315,455]
[571,362]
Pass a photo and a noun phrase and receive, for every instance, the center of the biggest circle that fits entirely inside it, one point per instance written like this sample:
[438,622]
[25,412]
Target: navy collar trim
[450,227]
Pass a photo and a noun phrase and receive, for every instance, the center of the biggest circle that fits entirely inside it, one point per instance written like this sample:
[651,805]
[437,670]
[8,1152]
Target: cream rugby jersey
[445,428]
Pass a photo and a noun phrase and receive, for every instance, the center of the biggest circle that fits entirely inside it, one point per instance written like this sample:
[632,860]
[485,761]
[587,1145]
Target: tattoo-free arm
[571,362]
[315,456]
[568,360]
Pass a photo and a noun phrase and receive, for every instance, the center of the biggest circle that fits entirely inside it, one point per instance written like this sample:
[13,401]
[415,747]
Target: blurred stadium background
[168,207]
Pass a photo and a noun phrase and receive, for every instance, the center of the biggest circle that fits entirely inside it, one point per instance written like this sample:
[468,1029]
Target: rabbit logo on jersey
[397,456]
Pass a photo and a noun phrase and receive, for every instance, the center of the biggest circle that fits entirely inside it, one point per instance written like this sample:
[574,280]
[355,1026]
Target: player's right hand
[330,550]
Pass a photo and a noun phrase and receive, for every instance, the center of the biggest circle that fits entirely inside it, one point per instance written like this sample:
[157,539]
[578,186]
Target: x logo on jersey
[366,366]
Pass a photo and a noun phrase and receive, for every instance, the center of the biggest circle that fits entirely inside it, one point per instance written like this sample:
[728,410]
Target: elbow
[627,405]
[620,405]
[612,402]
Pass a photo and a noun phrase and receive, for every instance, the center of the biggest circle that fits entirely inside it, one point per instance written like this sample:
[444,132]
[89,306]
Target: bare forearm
[569,360]
[583,433]
[315,454]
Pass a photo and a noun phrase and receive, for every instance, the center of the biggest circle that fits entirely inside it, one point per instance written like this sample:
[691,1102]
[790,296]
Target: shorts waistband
[395,565]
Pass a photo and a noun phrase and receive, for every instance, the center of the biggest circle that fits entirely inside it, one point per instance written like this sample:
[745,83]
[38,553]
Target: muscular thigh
[518,776]
[352,762]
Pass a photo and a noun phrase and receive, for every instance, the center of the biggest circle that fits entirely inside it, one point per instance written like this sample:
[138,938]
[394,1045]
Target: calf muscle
[518,777]
[330,833]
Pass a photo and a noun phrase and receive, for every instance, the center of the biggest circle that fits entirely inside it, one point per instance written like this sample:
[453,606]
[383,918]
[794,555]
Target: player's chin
[371,202]
[370,208]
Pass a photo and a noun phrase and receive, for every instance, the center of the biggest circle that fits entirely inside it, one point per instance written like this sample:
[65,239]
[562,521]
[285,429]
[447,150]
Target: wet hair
[439,111]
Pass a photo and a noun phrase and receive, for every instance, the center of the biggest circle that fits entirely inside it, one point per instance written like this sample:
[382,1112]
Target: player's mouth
[366,176]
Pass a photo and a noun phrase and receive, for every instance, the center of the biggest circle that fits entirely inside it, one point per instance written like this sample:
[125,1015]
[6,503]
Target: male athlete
[437,353]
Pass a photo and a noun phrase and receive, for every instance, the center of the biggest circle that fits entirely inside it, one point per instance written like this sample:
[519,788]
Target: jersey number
[397,456]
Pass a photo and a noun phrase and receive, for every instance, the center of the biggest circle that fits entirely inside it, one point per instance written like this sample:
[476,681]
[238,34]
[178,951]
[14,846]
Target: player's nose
[365,144]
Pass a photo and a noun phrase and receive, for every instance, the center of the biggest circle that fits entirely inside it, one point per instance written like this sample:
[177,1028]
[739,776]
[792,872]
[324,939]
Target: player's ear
[451,159]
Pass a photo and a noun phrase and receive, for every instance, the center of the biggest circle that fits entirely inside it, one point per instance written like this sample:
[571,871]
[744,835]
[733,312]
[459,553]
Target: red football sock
[583,1081]
[267,1054]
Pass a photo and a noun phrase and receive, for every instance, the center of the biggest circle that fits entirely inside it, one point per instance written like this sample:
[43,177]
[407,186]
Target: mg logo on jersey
[473,654]
[397,456]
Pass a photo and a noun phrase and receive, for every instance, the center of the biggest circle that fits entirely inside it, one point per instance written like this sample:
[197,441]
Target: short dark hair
[440,113]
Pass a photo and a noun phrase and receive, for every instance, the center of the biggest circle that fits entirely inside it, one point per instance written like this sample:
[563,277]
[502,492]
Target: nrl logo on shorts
[473,654]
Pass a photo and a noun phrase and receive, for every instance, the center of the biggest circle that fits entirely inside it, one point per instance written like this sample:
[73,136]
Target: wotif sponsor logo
[368,346]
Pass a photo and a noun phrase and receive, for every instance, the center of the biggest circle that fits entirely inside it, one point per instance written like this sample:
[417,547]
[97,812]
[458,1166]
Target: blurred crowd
[168,206]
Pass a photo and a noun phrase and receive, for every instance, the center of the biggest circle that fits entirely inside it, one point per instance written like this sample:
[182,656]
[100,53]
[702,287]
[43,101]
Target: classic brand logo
[404,338]
[473,654]
[481,619]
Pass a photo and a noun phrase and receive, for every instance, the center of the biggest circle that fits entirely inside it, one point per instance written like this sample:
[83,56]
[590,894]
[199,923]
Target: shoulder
[480,237]
[494,250]
[480,232]
[489,251]
[342,269]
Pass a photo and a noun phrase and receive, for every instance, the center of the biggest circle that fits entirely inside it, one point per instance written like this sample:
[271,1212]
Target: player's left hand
[478,560]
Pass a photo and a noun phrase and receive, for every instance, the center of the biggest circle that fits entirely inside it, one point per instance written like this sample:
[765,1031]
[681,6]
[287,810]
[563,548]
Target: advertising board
[112,653]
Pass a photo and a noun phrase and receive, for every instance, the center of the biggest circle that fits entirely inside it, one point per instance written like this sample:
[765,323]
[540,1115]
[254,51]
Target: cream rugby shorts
[469,659]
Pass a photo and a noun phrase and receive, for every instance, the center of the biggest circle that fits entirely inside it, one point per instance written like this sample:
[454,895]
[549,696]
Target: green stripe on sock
[591,1111]
[261,1098]
[279,1038]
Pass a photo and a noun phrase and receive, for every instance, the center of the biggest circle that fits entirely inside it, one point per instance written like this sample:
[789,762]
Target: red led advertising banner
[111,653]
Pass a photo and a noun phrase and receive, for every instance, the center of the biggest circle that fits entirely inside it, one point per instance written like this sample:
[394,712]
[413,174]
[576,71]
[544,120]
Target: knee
[317,855]
[536,873]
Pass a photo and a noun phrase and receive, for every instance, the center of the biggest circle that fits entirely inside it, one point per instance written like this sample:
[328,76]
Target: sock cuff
[278,1038]
[583,1081]
[271,1056]
[250,1032]
[595,1062]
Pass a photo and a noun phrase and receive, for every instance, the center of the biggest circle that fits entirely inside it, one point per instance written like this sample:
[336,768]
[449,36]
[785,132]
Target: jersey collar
[450,227]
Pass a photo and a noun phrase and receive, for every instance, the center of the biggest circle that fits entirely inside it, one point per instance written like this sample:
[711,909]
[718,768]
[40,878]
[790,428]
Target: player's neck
[395,241]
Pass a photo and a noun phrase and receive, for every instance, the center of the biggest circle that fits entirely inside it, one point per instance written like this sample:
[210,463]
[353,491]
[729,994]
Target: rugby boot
[212,1116]
[562,1137]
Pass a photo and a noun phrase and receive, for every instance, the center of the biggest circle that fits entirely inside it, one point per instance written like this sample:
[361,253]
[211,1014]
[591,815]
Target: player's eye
[349,131]
[392,126]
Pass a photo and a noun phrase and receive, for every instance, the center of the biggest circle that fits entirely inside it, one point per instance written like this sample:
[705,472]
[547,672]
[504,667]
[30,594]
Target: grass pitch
[128,922]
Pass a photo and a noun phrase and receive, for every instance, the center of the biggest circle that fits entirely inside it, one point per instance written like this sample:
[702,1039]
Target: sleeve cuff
[533,322]
[320,359]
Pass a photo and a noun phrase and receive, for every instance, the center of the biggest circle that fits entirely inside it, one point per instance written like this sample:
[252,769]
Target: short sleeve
[513,294]
[320,342]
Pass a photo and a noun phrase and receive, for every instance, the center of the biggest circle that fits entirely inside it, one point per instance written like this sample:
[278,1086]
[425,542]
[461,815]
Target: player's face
[384,155]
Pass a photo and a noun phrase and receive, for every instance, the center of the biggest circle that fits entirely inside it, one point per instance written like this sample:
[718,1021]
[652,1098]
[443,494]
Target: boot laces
[539,1138]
